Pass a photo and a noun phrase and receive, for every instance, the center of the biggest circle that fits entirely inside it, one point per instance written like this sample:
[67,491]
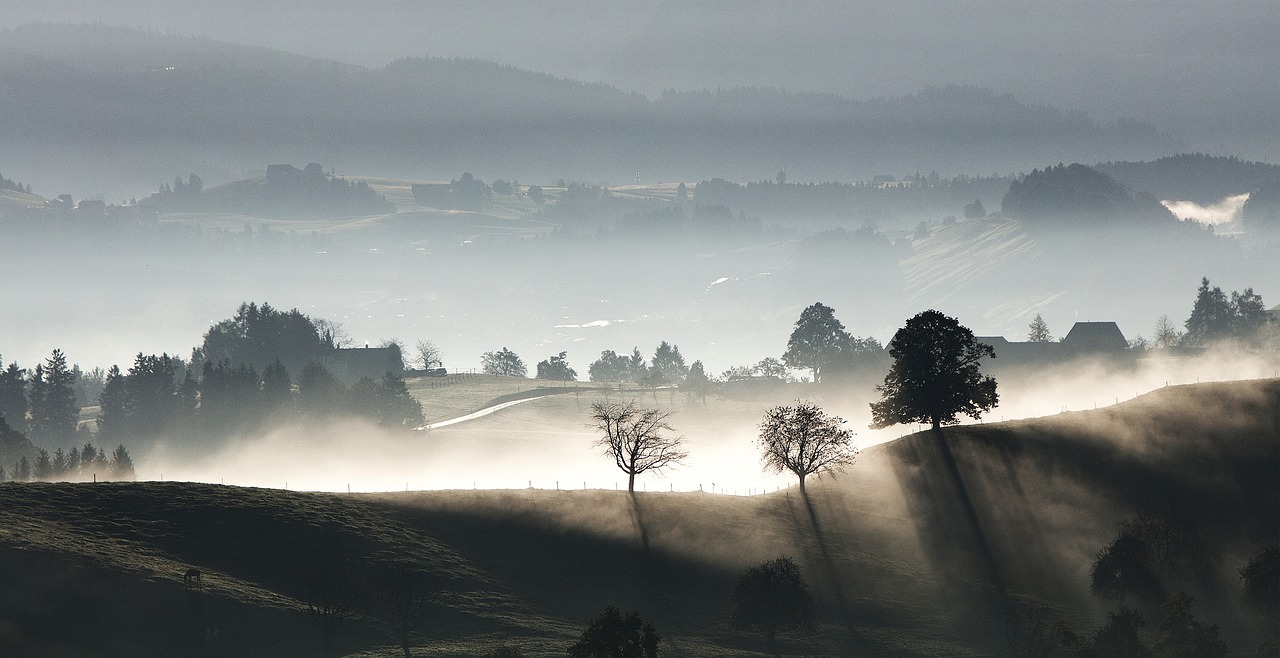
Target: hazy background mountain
[1203,71]
[109,110]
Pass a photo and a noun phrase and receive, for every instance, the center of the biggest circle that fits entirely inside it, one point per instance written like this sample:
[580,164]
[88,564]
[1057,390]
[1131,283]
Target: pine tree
[54,410]
[13,397]
[59,463]
[121,464]
[44,466]
[112,416]
[1039,331]
[668,365]
[73,463]
[1211,316]
[150,400]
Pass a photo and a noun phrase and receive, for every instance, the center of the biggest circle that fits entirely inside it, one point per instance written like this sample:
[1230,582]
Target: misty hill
[17,198]
[98,47]
[284,192]
[429,117]
[925,547]
[1204,179]
[1261,212]
[1079,194]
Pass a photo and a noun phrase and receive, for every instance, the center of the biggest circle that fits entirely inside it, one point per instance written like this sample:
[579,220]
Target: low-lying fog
[474,283]
[1223,212]
[545,443]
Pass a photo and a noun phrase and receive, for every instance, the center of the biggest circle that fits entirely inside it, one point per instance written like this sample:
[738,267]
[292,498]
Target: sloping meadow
[929,545]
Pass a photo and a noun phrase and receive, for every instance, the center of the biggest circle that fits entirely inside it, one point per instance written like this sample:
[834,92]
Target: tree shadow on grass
[642,524]
[951,534]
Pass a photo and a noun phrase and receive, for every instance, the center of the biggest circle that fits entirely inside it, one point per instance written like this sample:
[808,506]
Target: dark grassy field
[926,547]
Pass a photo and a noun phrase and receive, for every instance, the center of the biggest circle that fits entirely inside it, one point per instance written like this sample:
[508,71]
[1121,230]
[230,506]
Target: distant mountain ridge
[98,47]
[221,108]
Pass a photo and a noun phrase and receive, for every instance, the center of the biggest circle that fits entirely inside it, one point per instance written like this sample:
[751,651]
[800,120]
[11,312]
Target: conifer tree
[1039,331]
[54,410]
[121,464]
[13,397]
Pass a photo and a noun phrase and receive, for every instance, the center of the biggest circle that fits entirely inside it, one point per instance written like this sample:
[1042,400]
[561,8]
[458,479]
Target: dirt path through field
[477,414]
[519,397]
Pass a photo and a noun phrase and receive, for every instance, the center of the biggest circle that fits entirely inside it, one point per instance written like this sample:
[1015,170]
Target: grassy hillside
[925,547]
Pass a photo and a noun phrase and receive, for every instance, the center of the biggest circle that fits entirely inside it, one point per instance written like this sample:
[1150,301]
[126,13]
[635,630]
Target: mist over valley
[679,329]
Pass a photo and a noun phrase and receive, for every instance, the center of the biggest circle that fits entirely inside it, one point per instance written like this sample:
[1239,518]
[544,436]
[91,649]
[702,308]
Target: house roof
[1097,336]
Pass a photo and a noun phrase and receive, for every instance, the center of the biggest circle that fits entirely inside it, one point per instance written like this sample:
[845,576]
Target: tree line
[75,465]
[240,379]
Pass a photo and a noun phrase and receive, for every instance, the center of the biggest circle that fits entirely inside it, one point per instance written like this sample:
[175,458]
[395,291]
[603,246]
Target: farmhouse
[1096,340]
[281,172]
[353,364]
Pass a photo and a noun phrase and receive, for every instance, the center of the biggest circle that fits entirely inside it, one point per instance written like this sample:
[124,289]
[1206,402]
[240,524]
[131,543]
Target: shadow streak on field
[950,532]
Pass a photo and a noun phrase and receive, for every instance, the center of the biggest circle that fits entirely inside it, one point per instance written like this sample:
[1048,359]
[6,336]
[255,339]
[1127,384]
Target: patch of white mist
[1222,212]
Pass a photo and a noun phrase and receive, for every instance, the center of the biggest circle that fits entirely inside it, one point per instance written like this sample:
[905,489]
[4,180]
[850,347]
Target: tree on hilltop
[935,374]
[610,368]
[503,362]
[667,366]
[636,438]
[804,440]
[429,356]
[557,368]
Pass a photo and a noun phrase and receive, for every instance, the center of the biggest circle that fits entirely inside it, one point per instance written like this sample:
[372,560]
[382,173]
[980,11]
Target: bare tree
[412,596]
[804,440]
[1165,334]
[636,438]
[329,590]
[429,355]
[332,333]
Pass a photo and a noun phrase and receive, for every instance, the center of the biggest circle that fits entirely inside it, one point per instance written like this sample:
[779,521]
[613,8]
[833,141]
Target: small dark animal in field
[193,578]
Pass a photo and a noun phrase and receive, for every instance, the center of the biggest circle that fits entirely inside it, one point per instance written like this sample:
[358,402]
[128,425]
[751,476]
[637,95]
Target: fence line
[555,485]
